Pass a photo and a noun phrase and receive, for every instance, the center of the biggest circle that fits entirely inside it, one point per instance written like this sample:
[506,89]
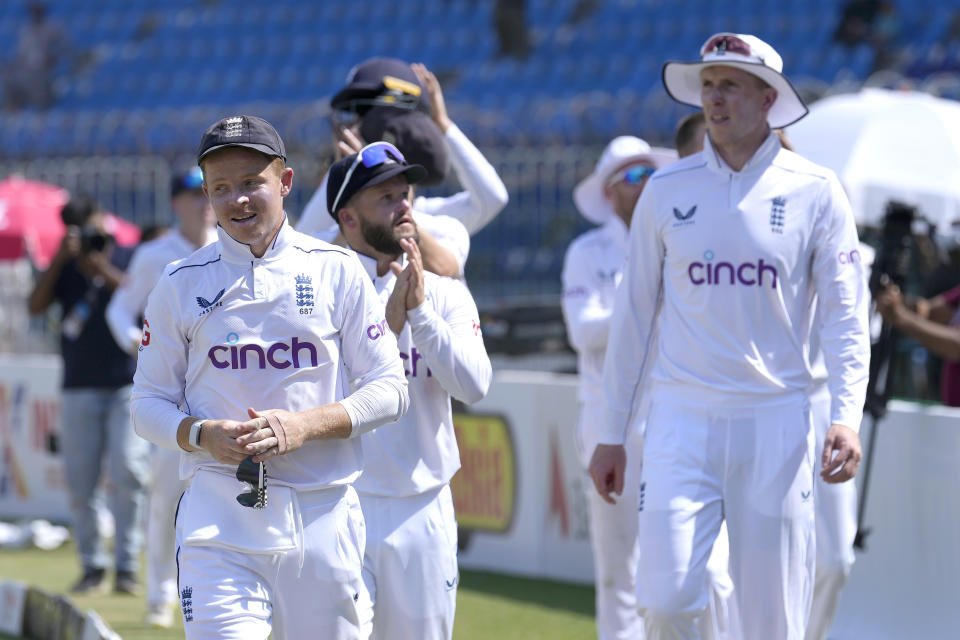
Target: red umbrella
[30,223]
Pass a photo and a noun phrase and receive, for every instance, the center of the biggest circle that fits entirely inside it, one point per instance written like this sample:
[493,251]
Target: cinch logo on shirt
[849,257]
[413,358]
[374,331]
[278,355]
[746,273]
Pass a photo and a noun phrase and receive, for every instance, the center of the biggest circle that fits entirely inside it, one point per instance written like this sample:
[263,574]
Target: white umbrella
[888,145]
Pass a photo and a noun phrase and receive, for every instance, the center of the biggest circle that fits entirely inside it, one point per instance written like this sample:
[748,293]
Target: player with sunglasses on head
[729,249]
[410,562]
[267,346]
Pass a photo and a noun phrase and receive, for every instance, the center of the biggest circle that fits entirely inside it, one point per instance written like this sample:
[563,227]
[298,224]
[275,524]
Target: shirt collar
[761,158]
[370,266]
[239,252]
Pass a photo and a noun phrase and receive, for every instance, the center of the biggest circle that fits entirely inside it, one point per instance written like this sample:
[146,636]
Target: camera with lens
[92,240]
[77,213]
[896,247]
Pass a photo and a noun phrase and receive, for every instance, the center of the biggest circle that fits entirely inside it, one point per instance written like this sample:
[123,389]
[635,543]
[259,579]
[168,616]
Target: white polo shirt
[733,262]
[442,352]
[296,329]
[130,299]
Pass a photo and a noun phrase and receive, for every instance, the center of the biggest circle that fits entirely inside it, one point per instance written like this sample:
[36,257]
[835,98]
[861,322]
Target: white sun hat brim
[588,195]
[682,79]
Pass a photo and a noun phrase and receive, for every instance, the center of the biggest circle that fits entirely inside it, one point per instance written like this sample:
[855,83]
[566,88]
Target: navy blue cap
[380,82]
[242,131]
[364,177]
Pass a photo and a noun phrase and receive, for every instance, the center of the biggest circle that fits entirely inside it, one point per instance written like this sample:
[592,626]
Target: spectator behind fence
[95,428]
[935,323]
[28,76]
[196,227]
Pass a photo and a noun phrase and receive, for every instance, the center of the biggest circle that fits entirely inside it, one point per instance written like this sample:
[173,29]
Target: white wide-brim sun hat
[742,51]
[588,194]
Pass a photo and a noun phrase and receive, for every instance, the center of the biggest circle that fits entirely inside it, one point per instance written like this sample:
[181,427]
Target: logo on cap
[233,127]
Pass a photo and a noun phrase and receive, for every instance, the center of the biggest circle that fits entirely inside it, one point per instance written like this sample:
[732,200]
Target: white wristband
[194,439]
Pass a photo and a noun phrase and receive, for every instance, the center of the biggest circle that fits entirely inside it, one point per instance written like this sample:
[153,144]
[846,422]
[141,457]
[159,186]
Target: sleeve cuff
[420,315]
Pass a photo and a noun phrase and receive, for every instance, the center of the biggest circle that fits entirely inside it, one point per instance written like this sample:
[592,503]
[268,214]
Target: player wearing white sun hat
[729,250]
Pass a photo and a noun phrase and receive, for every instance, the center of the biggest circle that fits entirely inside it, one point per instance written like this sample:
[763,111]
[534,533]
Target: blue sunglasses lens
[636,175]
[376,154]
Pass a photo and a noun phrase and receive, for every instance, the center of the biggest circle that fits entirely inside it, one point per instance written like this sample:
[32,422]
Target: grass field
[488,605]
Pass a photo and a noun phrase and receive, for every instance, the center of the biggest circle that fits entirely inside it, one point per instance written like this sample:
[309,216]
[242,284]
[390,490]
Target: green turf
[488,605]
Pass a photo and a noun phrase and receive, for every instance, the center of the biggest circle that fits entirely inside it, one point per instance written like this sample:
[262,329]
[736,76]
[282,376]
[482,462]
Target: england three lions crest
[777,214]
[304,293]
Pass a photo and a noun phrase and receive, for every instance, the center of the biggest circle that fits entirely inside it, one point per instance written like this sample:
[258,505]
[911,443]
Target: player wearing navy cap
[264,357]
[410,563]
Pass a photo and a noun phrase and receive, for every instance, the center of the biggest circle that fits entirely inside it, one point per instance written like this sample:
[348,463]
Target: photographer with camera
[95,402]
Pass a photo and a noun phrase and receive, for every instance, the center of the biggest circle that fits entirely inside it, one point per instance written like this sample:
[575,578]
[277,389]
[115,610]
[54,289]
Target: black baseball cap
[242,131]
[191,180]
[380,81]
[414,134]
[363,177]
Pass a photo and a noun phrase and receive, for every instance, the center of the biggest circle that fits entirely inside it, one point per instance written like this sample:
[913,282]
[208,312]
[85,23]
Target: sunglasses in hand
[253,474]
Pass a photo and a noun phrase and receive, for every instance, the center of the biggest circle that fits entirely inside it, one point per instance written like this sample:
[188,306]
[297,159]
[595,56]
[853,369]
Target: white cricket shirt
[592,269]
[442,352]
[295,329]
[733,261]
[130,299]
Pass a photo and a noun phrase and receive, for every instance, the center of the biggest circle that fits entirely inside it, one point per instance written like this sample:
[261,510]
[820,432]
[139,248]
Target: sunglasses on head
[726,44]
[373,154]
[253,474]
[633,175]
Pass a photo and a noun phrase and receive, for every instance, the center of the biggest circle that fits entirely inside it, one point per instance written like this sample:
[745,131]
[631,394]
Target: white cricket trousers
[836,515]
[410,565]
[166,487]
[313,590]
[615,545]
[751,466]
